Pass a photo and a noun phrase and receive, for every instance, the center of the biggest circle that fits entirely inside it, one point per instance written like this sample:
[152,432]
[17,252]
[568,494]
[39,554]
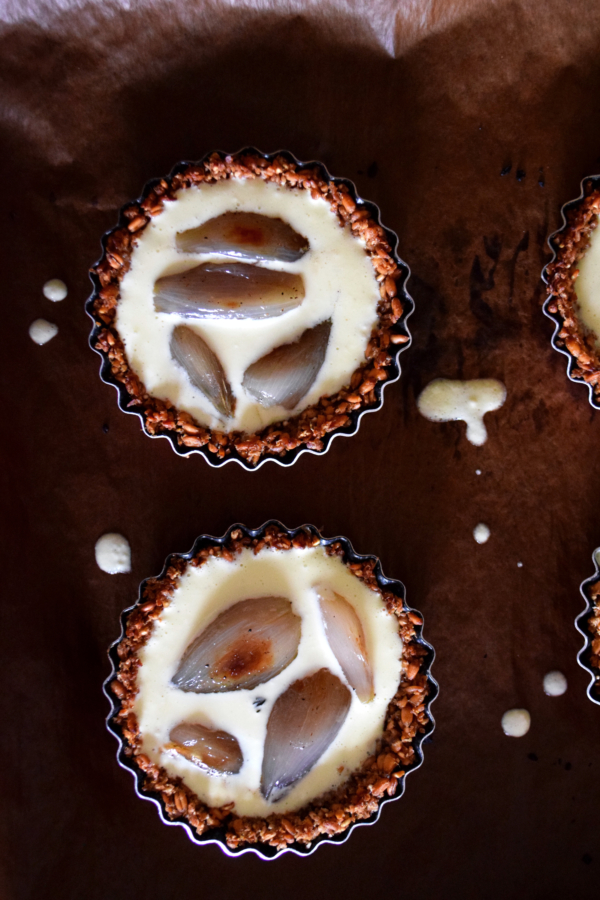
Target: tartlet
[573,336]
[588,623]
[390,751]
[296,427]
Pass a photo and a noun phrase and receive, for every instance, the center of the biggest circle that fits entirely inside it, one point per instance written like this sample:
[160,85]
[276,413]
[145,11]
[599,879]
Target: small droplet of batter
[481,533]
[555,684]
[478,471]
[516,722]
[42,331]
[55,290]
[519,565]
[444,400]
[113,554]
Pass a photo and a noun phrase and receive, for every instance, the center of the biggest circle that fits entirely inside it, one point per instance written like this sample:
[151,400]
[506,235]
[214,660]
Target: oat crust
[358,797]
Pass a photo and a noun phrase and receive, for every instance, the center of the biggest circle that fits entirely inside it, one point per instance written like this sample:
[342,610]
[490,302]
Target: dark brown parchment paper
[423,105]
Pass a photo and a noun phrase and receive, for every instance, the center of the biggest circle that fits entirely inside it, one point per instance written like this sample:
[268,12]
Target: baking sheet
[423,106]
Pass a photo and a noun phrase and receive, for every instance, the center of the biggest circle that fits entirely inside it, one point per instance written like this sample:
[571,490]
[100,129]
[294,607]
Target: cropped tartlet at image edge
[329,816]
[312,428]
[569,246]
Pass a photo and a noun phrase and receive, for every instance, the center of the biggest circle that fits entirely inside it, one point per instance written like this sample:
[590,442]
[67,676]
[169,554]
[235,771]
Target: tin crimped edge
[313,429]
[383,775]
[588,625]
[568,245]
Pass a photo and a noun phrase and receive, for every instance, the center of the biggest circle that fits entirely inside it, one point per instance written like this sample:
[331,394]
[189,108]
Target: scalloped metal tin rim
[580,625]
[555,317]
[355,416]
[262,850]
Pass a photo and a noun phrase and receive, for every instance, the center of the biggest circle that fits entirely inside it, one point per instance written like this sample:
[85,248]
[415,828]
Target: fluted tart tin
[588,625]
[357,796]
[307,429]
[569,245]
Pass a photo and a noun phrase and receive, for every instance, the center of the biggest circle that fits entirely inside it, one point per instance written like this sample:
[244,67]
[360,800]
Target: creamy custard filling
[339,283]
[587,287]
[446,400]
[203,593]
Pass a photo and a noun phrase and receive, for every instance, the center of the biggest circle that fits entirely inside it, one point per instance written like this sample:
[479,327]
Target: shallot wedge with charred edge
[303,723]
[203,368]
[347,640]
[231,290]
[284,375]
[209,748]
[245,235]
[247,644]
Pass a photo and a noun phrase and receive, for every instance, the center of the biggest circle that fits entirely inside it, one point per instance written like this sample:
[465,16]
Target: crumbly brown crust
[355,799]
[314,422]
[593,627]
[571,246]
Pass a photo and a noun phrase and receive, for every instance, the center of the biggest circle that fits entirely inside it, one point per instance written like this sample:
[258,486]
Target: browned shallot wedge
[231,290]
[245,235]
[347,640]
[209,748]
[246,645]
[203,368]
[303,723]
[283,376]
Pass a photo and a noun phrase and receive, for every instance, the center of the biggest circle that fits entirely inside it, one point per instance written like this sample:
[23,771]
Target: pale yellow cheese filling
[339,281]
[201,595]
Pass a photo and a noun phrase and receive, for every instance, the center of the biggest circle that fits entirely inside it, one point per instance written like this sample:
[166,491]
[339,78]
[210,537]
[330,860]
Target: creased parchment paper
[423,105]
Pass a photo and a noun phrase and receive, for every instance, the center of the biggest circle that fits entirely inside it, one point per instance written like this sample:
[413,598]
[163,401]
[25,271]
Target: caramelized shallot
[284,375]
[245,235]
[246,645]
[228,291]
[203,368]
[304,721]
[347,640]
[209,748]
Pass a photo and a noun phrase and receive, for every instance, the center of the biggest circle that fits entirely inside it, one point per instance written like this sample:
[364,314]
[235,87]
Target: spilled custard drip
[55,290]
[555,683]
[445,400]
[516,722]
[42,331]
[113,554]
[481,533]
